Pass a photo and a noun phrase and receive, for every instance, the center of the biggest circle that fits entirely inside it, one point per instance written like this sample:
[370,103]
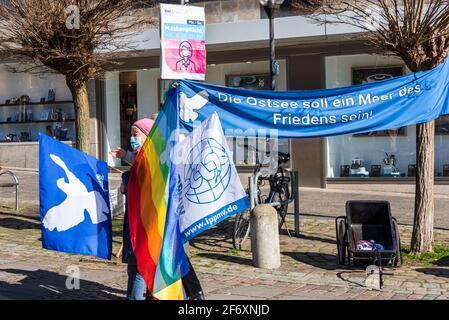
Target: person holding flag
[136,284]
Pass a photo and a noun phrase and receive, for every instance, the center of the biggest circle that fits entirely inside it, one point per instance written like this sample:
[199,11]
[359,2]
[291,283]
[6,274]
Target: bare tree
[76,38]
[307,6]
[416,31]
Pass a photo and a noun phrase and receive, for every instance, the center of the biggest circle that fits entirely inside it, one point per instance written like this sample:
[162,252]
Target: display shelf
[39,121]
[36,104]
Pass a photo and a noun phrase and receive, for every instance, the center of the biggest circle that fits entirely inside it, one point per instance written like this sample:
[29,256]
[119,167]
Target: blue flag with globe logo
[209,185]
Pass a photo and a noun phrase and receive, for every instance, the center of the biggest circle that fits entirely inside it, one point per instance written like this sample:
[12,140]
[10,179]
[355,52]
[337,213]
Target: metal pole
[296,193]
[251,191]
[270,13]
[17,196]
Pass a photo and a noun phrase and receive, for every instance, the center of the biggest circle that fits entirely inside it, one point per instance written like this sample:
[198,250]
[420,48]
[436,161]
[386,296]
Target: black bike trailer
[368,221]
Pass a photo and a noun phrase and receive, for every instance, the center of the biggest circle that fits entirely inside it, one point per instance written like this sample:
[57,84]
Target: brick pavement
[308,271]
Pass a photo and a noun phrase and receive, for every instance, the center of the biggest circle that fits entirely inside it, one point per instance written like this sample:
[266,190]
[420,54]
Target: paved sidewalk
[308,271]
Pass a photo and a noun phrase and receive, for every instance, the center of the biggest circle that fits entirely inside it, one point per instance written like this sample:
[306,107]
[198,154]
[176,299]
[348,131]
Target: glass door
[128,106]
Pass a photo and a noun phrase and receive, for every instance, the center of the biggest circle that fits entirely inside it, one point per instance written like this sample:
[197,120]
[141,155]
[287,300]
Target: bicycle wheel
[341,242]
[282,194]
[242,228]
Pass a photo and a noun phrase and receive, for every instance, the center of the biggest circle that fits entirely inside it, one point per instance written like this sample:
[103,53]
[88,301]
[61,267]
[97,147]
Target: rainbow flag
[153,208]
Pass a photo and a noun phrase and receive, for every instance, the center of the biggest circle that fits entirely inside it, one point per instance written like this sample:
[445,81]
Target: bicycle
[279,197]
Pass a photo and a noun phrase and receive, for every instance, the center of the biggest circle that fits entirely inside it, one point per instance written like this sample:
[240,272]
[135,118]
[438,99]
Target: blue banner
[74,200]
[389,104]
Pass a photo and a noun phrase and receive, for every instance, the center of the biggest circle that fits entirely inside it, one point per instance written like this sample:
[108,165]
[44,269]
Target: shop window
[391,156]
[386,153]
[442,126]
[374,74]
[442,147]
[32,103]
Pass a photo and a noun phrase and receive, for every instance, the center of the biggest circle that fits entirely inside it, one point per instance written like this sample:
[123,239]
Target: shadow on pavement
[317,215]
[29,216]
[223,257]
[341,277]
[42,284]
[318,260]
[218,238]
[19,224]
[438,272]
[320,239]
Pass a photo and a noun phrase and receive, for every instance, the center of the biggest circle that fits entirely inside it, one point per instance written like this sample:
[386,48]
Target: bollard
[265,237]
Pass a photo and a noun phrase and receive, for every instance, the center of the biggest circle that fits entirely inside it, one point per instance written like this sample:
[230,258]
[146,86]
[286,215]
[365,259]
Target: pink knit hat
[144,125]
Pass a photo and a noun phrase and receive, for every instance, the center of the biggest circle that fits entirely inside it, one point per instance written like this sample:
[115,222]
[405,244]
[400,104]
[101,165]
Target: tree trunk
[82,117]
[422,237]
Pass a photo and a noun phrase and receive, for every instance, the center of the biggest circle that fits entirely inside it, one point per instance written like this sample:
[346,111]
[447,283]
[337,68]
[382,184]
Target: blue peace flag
[74,200]
[210,187]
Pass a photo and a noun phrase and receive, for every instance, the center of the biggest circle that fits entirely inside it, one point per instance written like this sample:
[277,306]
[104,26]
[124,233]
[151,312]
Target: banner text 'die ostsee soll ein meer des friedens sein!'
[321,103]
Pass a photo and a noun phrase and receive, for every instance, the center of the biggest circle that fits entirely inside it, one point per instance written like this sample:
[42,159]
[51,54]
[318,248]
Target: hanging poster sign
[183,42]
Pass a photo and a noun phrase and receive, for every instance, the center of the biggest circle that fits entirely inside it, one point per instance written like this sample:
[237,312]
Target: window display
[389,166]
[33,103]
[21,120]
[378,157]
[357,168]
[252,82]
[376,170]
[412,170]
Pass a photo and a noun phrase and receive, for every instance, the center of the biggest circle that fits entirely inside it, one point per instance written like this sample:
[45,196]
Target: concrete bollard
[265,237]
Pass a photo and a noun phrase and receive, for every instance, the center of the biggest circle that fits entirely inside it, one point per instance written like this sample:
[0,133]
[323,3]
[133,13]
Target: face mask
[135,143]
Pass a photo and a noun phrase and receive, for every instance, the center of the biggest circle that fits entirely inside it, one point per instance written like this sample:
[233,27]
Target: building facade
[311,56]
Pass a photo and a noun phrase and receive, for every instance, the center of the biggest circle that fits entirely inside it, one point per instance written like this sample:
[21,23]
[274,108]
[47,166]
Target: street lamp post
[270,7]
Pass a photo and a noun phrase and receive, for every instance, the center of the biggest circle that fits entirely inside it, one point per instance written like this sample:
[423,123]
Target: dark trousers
[192,285]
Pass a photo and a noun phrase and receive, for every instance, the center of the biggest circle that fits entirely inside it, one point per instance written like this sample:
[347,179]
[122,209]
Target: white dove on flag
[70,212]
[189,105]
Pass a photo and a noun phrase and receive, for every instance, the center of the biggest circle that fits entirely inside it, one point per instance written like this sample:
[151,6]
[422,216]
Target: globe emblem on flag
[208,172]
